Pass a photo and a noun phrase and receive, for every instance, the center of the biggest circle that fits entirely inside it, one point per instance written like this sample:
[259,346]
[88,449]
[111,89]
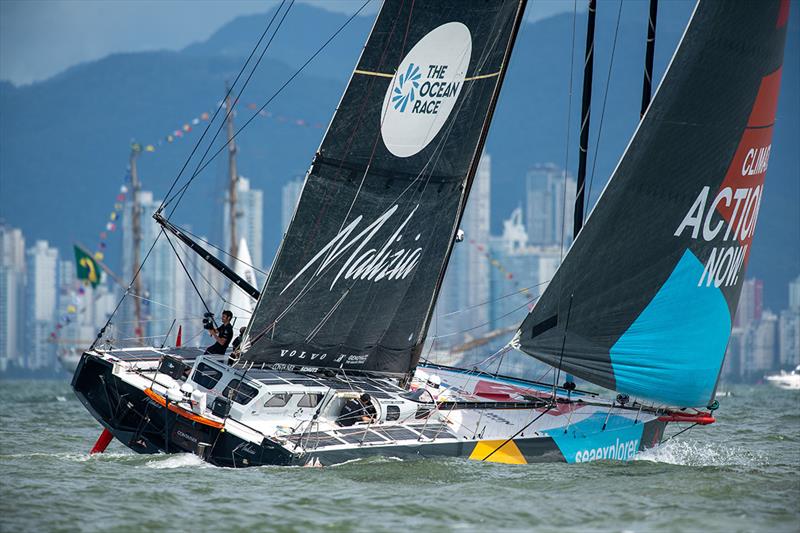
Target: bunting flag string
[484,250]
[186,128]
[74,294]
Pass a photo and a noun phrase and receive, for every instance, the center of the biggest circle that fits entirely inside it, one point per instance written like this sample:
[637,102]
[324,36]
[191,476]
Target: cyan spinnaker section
[673,351]
[643,301]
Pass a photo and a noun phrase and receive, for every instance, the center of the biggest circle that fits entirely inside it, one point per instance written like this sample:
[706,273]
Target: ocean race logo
[730,214]
[424,91]
[406,87]
[366,259]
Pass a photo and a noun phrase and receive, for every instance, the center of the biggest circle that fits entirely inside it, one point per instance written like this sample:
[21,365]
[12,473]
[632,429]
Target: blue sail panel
[674,350]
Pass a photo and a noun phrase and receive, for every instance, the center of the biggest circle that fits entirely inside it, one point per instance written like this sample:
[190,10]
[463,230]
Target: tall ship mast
[233,176]
[136,228]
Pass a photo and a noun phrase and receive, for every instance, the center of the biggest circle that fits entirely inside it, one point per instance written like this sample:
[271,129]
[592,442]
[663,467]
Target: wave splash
[686,453]
[182,460]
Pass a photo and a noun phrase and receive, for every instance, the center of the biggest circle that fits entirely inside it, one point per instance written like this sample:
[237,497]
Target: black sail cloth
[356,277]
[644,300]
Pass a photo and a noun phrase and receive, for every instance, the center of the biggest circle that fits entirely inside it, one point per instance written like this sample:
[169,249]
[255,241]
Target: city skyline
[491,282]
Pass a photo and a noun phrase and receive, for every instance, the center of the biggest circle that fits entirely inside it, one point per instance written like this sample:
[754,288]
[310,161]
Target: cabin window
[206,376]
[239,392]
[278,400]
[392,413]
[309,400]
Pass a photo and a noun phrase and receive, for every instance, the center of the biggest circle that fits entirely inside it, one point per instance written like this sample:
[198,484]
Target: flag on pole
[87,268]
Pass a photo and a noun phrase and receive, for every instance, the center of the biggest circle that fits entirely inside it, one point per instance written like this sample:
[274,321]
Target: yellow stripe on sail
[387,75]
[370,73]
[483,76]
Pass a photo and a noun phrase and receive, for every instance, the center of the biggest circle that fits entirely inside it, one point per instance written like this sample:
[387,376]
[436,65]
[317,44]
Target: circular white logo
[425,88]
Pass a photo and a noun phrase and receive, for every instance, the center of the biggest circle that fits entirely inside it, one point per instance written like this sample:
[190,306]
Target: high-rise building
[789,338]
[794,294]
[732,370]
[750,303]
[12,285]
[249,220]
[789,328]
[461,311]
[41,305]
[290,195]
[522,273]
[759,347]
[168,294]
[550,197]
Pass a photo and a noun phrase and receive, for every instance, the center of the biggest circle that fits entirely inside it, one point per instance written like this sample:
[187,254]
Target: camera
[208,321]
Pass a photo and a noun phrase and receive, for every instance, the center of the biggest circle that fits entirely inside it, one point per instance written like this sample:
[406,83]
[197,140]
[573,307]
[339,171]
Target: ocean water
[741,474]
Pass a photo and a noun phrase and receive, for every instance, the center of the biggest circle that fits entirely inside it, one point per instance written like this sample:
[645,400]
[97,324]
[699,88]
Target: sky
[40,38]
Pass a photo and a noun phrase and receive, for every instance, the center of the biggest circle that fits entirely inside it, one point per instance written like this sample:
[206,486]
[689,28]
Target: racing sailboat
[641,305]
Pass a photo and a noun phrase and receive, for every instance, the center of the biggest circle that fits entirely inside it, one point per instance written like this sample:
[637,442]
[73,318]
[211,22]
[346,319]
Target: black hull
[147,427]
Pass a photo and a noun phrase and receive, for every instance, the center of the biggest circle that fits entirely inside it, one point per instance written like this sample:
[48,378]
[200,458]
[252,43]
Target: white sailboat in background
[242,304]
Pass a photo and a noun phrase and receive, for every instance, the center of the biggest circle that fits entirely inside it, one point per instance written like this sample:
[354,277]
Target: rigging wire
[526,426]
[219,107]
[312,281]
[180,193]
[186,270]
[487,302]
[603,109]
[193,260]
[431,162]
[569,122]
[484,324]
[271,98]
[177,178]
[217,248]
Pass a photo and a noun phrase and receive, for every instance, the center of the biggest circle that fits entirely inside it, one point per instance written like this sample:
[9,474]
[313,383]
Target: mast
[233,177]
[647,84]
[136,224]
[586,107]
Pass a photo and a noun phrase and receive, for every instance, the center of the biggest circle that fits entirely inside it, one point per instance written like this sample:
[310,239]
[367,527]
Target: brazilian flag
[87,268]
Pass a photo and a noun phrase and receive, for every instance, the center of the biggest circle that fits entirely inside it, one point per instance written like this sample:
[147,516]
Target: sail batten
[355,279]
[655,274]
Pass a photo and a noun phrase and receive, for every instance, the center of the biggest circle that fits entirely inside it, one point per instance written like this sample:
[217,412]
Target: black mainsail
[356,277]
[644,300]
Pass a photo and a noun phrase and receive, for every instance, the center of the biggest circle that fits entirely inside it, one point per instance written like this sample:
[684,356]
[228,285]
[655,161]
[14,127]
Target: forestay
[644,300]
[355,280]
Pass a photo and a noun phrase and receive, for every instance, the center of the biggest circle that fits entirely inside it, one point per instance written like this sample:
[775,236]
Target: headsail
[644,300]
[357,274]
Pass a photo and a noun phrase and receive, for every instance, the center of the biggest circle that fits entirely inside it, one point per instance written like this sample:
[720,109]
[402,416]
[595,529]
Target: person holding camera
[222,334]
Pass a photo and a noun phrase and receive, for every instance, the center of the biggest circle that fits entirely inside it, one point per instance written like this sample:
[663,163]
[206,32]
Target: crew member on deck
[222,335]
[357,410]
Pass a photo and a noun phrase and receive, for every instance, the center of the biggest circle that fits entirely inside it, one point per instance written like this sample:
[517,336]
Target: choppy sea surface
[741,474]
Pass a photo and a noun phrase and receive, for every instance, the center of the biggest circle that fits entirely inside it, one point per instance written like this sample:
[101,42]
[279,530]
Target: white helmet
[434,381]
